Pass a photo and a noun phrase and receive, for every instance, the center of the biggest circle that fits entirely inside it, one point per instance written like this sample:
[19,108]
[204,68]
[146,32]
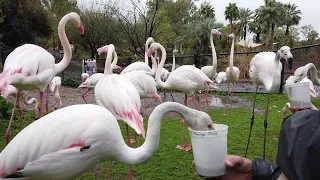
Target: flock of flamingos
[66,143]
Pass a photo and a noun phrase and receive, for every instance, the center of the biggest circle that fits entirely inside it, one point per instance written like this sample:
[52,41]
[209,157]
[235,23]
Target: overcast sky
[310,8]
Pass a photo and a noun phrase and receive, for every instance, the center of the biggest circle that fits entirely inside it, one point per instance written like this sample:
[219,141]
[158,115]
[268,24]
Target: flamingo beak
[81,29]
[149,52]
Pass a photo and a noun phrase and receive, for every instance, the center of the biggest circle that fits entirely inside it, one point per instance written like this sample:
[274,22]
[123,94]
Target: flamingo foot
[181,147]
[189,148]
[132,141]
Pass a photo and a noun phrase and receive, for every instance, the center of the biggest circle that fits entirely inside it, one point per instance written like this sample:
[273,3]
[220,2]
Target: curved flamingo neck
[231,55]
[139,155]
[313,74]
[65,44]
[214,55]
[159,69]
[173,62]
[107,67]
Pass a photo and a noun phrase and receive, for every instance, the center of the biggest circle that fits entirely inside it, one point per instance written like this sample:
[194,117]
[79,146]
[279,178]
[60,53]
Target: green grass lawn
[171,163]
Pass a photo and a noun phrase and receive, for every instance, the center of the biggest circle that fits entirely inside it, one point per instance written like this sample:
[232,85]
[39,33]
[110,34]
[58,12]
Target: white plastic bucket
[299,94]
[210,150]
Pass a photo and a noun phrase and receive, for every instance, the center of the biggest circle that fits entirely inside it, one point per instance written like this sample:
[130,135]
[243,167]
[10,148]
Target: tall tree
[231,13]
[292,17]
[270,13]
[310,34]
[25,22]
[245,15]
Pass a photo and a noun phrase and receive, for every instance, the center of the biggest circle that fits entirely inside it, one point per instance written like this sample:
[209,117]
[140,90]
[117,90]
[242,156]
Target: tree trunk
[92,53]
[286,36]
[231,30]
[245,32]
[271,40]
[268,37]
[258,38]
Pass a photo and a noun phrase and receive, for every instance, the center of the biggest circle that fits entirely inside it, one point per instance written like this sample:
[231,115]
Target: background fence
[301,56]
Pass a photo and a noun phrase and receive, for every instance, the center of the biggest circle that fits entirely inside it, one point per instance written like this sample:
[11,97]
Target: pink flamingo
[90,82]
[54,87]
[144,66]
[12,91]
[68,142]
[117,94]
[187,79]
[30,67]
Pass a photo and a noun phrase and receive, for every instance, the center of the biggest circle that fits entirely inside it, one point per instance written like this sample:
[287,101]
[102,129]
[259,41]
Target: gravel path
[71,96]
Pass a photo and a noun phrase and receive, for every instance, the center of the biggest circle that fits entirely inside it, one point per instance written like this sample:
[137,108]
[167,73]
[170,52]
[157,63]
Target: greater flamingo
[68,142]
[221,77]
[91,81]
[140,65]
[117,94]
[187,79]
[55,88]
[211,71]
[232,72]
[302,72]
[30,67]
[265,69]
[12,91]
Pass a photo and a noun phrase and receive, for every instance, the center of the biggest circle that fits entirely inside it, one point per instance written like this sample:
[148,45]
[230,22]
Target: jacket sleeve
[261,170]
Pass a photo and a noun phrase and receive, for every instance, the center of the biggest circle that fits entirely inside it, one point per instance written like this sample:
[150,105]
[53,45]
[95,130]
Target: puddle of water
[223,101]
[217,102]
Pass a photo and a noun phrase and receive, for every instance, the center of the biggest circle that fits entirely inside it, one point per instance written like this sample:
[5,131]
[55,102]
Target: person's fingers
[242,164]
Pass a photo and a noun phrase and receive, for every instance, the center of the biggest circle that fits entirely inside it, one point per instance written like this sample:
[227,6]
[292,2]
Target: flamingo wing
[117,94]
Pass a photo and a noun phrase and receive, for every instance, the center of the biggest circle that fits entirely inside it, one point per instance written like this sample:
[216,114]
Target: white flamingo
[117,94]
[43,151]
[221,77]
[232,72]
[91,81]
[265,69]
[187,79]
[30,67]
[211,71]
[12,91]
[55,88]
[302,72]
[140,65]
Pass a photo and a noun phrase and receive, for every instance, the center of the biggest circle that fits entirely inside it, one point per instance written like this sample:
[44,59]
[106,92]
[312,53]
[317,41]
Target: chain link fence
[301,56]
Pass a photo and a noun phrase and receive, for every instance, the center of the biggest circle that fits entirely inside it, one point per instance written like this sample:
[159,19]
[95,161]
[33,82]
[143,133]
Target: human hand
[237,168]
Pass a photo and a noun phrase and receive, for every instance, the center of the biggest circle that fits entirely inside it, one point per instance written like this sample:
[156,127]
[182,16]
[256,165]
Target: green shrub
[5,108]
[71,82]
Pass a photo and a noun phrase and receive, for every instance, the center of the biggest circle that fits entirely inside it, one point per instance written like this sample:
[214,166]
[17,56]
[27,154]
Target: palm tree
[271,14]
[231,13]
[292,17]
[245,15]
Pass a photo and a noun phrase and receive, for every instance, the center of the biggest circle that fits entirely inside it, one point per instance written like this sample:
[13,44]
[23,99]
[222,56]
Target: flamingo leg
[47,101]
[85,94]
[164,94]
[129,143]
[110,170]
[133,140]
[252,121]
[172,96]
[181,147]
[227,105]
[139,141]
[8,133]
[196,103]
[40,106]
[230,112]
[265,128]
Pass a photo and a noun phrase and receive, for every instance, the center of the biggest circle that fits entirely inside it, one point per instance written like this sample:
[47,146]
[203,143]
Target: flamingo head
[198,120]
[76,20]
[231,37]
[216,32]
[286,55]
[213,85]
[103,49]
[117,67]
[84,84]
[84,76]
